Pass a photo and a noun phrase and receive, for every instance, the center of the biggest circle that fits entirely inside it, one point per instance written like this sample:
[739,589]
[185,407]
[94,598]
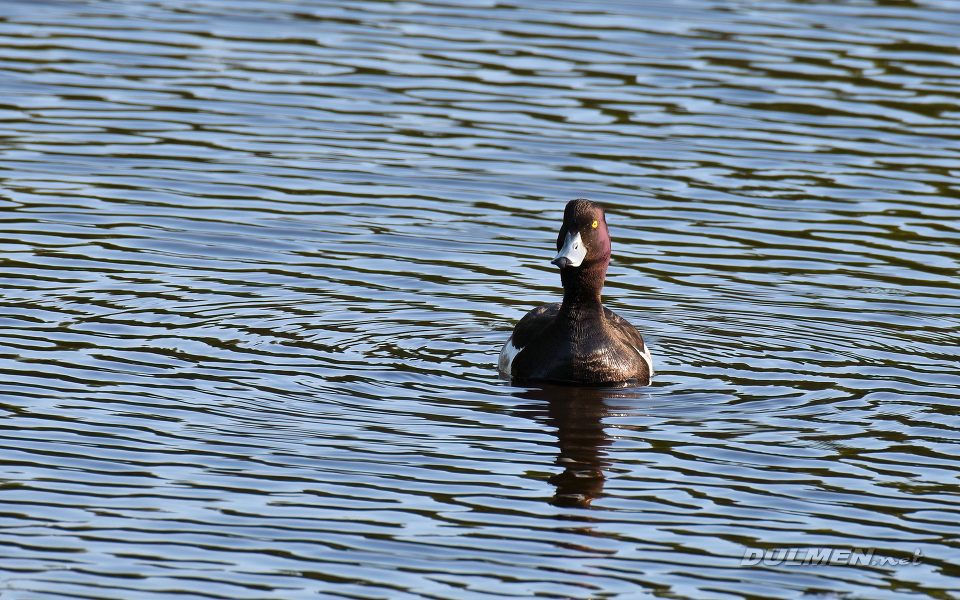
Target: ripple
[260,258]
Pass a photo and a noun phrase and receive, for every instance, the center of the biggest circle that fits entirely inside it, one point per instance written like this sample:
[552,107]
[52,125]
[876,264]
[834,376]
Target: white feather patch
[645,355]
[509,352]
[648,358]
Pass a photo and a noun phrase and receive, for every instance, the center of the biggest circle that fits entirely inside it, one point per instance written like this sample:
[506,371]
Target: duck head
[583,246]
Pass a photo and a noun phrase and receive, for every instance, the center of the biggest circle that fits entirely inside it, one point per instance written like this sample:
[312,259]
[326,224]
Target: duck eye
[594,224]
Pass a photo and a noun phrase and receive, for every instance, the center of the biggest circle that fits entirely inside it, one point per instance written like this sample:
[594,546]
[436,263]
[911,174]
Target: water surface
[259,259]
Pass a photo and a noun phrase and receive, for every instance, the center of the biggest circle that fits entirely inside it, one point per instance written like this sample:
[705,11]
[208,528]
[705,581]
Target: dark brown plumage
[578,340]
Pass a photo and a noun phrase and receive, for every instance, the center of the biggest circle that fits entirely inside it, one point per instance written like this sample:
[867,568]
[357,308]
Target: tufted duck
[578,340]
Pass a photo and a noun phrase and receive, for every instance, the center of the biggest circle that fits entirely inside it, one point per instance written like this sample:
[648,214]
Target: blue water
[260,257]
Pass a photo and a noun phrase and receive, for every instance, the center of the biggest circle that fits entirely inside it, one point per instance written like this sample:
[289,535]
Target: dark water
[259,259]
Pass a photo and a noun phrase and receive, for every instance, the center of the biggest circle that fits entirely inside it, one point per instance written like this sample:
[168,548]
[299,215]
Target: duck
[578,341]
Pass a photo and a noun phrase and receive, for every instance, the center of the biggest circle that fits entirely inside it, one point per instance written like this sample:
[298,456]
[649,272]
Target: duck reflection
[577,413]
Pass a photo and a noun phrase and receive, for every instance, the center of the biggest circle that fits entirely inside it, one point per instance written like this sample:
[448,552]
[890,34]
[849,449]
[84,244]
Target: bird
[578,341]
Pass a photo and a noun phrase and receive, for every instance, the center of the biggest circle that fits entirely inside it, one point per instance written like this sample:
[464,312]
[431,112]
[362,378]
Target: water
[260,258]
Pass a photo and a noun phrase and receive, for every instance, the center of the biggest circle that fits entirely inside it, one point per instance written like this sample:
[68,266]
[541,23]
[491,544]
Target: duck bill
[572,253]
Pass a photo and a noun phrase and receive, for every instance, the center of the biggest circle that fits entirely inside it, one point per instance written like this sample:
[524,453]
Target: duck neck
[581,288]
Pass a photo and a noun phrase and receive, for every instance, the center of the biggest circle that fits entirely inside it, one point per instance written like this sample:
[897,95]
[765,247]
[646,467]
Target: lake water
[259,259]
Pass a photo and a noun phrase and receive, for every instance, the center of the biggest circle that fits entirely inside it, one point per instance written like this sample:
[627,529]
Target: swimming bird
[578,340]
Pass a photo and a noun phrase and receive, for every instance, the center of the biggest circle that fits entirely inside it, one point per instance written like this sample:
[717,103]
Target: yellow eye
[595,224]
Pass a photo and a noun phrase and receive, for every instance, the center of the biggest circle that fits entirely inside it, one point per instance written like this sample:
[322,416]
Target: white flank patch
[648,358]
[509,352]
[645,355]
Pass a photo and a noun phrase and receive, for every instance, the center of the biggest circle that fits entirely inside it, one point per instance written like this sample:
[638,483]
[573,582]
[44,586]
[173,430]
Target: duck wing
[529,330]
[627,334]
